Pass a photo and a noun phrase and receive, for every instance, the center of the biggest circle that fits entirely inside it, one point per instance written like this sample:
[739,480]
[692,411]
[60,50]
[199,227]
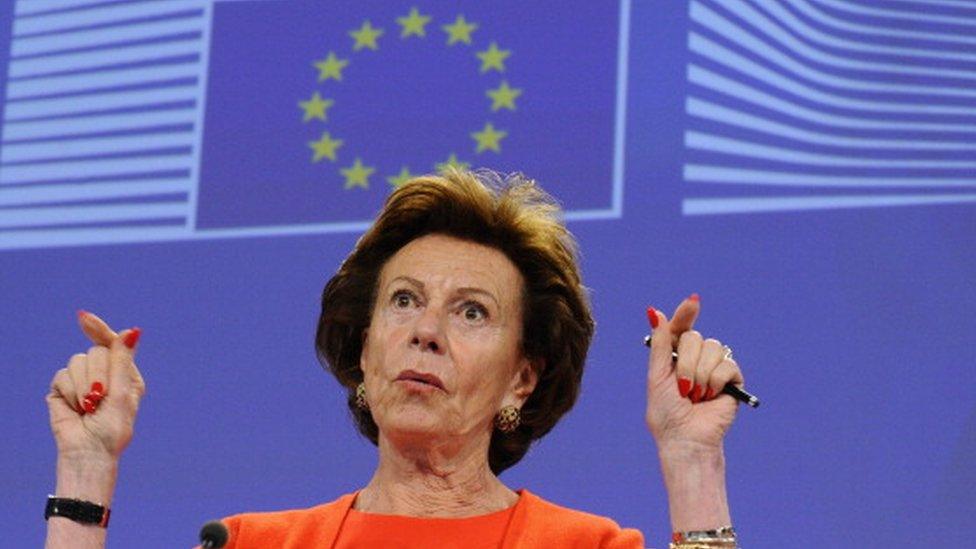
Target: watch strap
[84,512]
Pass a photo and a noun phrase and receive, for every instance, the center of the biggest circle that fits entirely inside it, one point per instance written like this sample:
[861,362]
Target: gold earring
[361,397]
[508,419]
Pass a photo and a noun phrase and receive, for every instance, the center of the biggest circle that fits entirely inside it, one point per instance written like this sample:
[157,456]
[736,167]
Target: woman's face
[443,350]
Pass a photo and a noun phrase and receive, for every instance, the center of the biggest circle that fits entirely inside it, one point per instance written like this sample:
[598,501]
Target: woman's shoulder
[284,528]
[544,520]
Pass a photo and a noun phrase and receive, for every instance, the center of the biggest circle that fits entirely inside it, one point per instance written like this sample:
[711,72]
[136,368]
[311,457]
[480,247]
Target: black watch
[84,512]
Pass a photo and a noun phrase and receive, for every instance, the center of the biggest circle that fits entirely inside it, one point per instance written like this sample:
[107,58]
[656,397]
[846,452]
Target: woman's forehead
[442,260]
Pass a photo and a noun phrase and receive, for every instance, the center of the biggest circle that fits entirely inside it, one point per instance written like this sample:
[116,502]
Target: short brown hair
[511,214]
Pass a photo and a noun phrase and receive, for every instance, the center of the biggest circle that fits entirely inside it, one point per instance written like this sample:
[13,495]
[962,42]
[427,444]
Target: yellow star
[488,138]
[325,147]
[357,175]
[493,58]
[451,162]
[503,97]
[365,37]
[459,31]
[331,67]
[413,24]
[315,107]
[400,178]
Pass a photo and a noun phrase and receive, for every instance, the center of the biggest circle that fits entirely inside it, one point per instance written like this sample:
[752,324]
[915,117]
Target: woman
[459,326]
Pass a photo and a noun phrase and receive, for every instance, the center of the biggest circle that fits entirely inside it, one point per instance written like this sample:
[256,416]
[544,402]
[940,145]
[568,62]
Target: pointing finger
[96,329]
[684,317]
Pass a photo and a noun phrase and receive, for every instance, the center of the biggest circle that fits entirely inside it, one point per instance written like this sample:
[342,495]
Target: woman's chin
[412,420]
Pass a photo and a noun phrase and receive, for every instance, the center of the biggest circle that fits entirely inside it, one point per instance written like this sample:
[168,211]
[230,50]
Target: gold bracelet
[723,537]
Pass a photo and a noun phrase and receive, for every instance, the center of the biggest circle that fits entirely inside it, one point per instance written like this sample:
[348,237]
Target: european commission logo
[187,119]
[823,104]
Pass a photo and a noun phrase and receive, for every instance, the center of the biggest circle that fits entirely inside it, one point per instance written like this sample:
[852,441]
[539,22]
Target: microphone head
[213,535]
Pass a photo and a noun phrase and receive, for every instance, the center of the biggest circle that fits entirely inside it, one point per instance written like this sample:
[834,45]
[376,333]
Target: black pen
[729,389]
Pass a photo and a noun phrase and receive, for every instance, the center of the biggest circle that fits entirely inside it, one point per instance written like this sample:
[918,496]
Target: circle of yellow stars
[412,25]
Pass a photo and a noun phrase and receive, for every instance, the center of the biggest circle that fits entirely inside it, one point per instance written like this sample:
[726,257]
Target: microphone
[213,535]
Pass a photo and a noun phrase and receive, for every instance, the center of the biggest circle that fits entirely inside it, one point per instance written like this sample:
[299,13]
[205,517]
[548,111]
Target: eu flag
[316,110]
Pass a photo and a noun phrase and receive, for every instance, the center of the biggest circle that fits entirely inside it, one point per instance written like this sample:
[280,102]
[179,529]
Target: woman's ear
[362,351]
[526,378]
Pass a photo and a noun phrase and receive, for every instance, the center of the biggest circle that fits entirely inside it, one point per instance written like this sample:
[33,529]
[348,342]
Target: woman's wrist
[89,478]
[694,476]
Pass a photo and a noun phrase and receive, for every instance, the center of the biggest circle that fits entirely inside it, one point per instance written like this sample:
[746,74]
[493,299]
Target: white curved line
[61,215]
[744,176]
[964,4]
[712,111]
[915,16]
[40,66]
[66,21]
[78,125]
[93,146]
[830,21]
[750,42]
[714,206]
[59,171]
[776,9]
[733,88]
[724,56]
[101,37]
[738,147]
[34,87]
[35,108]
[67,192]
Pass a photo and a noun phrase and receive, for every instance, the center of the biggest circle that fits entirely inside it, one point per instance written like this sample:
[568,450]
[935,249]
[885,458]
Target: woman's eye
[475,312]
[402,299]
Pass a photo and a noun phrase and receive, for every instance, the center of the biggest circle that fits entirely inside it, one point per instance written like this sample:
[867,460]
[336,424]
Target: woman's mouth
[420,380]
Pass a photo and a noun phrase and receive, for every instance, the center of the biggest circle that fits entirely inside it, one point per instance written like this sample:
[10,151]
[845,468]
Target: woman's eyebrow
[409,280]
[478,291]
[464,291]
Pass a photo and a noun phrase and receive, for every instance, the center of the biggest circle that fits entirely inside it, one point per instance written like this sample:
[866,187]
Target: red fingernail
[82,313]
[696,393]
[652,317]
[88,405]
[97,387]
[94,397]
[694,297]
[684,386]
[132,338]
[709,394]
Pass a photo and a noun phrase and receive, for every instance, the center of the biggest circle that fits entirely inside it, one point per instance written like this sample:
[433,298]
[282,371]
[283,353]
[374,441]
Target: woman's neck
[433,480]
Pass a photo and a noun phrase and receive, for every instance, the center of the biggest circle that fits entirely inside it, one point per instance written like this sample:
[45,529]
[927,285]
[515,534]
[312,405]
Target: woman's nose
[428,334]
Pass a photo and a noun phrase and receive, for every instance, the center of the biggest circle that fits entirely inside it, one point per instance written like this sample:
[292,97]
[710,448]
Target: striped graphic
[822,104]
[102,123]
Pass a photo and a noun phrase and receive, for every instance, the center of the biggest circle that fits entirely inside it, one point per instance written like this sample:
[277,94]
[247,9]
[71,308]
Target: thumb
[122,371]
[660,367]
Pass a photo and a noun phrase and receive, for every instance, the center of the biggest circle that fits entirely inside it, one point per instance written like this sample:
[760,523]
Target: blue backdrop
[199,168]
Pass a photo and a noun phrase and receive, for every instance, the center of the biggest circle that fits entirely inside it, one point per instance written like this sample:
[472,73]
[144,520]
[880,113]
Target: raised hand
[92,404]
[94,400]
[685,400]
[688,424]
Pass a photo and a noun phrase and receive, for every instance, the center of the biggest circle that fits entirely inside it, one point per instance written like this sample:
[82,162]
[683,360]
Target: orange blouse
[398,532]
[532,522]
